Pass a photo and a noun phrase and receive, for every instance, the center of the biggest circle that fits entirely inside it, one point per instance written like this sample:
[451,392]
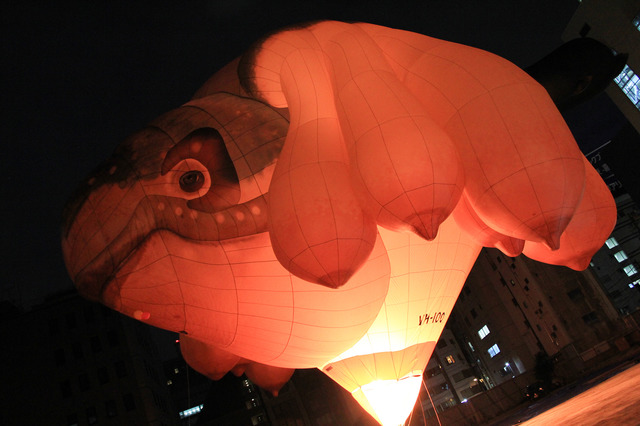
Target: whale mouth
[241,220]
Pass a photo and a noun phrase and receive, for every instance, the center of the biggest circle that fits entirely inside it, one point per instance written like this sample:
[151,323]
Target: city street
[609,398]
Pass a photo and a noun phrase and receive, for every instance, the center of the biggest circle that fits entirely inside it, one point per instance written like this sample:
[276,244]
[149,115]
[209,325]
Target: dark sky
[79,76]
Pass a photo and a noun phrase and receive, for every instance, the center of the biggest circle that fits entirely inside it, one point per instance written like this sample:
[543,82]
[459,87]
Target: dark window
[89,314]
[538,327]
[72,420]
[65,389]
[466,320]
[526,280]
[585,30]
[129,402]
[590,318]
[53,326]
[526,288]
[110,408]
[60,358]
[112,337]
[78,353]
[96,346]
[83,381]
[473,313]
[92,415]
[71,320]
[467,290]
[103,375]
[514,301]
[121,369]
[499,259]
[575,295]
[441,343]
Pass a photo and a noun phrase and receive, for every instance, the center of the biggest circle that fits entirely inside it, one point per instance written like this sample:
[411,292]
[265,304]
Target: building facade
[73,362]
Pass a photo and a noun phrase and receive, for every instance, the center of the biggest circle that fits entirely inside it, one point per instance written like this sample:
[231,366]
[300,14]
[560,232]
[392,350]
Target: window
[65,389]
[621,256]
[96,346]
[575,294]
[92,416]
[629,82]
[110,408]
[72,420]
[474,314]
[450,360]
[103,375]
[121,369]
[611,242]
[636,22]
[635,283]
[60,358]
[494,350]
[83,381]
[129,403]
[191,411]
[112,337]
[483,332]
[630,270]
[71,320]
[441,343]
[77,351]
[590,318]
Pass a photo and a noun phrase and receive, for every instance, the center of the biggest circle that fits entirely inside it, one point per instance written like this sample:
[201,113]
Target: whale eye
[191,181]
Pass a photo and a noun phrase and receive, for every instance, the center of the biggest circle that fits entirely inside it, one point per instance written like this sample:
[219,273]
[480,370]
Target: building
[73,362]
[512,309]
[616,23]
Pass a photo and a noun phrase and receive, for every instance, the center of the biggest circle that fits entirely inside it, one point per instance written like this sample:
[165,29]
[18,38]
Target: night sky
[78,77]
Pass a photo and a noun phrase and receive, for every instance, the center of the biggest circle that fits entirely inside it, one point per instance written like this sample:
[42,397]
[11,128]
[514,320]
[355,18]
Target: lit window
[494,350]
[621,256]
[450,359]
[611,242]
[484,331]
[191,411]
[629,82]
[635,283]
[630,270]
[636,22]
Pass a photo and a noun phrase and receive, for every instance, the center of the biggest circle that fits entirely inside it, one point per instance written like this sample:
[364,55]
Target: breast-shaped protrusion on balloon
[207,147]
[470,223]
[207,359]
[588,230]
[523,170]
[407,165]
[214,362]
[318,228]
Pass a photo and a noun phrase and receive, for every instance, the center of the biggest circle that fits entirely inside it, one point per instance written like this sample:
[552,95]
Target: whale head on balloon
[248,217]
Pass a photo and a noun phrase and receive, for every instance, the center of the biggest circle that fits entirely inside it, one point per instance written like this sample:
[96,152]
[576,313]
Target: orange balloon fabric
[588,230]
[509,134]
[426,278]
[321,200]
[468,220]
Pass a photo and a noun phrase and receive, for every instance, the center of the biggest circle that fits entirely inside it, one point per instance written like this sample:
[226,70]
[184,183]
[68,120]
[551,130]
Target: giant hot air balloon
[321,200]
